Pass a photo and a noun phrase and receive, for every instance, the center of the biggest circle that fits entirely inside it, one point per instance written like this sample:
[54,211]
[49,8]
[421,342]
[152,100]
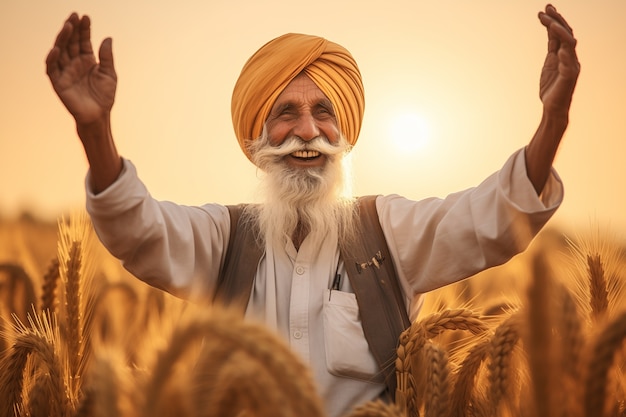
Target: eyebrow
[323,102]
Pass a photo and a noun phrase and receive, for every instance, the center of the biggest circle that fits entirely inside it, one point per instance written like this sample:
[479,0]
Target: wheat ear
[21,290]
[598,287]
[604,349]
[40,344]
[12,380]
[453,319]
[270,352]
[74,330]
[500,370]
[49,286]
[432,326]
[224,334]
[572,343]
[243,384]
[377,408]
[437,390]
[466,377]
[405,395]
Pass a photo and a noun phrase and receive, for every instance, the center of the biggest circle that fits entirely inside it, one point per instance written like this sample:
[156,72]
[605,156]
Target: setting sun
[409,131]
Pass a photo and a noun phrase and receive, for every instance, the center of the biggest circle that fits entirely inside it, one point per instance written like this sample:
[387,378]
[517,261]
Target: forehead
[301,90]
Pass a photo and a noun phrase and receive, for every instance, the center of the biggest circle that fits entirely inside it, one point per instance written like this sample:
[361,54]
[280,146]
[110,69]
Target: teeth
[305,154]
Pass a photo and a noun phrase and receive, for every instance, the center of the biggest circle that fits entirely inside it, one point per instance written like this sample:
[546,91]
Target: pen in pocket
[336,282]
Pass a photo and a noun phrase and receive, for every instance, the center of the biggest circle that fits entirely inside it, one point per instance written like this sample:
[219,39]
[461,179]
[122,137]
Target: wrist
[104,161]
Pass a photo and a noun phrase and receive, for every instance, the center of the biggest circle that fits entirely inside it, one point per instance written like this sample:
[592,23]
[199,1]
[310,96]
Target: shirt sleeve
[435,242]
[173,247]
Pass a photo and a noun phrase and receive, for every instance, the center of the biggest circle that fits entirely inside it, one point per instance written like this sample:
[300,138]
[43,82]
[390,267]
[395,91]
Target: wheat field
[540,336]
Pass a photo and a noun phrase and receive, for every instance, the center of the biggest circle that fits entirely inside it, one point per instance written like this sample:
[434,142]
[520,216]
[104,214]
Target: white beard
[316,200]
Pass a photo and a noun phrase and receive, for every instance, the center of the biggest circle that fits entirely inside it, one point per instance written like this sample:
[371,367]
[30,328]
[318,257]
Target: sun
[410,131]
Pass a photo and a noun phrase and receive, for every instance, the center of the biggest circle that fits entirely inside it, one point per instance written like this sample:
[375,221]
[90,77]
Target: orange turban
[266,74]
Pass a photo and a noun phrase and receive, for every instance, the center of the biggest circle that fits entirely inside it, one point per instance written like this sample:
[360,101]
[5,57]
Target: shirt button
[297,334]
[300,270]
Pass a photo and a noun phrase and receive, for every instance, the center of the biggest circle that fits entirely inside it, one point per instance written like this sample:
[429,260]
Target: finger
[64,37]
[106,57]
[52,63]
[552,12]
[560,32]
[73,47]
[569,60]
[85,36]
[557,33]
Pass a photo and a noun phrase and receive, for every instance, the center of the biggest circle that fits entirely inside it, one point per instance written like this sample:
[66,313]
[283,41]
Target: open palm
[561,67]
[86,87]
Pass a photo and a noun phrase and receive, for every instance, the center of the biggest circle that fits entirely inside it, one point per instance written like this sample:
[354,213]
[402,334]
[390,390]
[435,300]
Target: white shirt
[181,248]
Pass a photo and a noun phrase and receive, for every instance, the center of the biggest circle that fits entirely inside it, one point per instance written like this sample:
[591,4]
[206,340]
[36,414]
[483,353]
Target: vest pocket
[347,352]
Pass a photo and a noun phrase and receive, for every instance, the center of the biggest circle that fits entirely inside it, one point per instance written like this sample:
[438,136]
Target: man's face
[304,111]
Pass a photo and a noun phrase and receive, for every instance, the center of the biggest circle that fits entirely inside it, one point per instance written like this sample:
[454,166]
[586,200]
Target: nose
[306,127]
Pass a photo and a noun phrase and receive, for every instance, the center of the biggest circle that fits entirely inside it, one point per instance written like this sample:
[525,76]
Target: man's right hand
[86,87]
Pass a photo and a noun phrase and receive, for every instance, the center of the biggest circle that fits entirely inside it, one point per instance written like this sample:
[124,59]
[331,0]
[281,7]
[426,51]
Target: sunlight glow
[410,132]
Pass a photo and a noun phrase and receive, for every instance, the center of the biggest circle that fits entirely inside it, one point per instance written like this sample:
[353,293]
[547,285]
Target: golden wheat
[556,351]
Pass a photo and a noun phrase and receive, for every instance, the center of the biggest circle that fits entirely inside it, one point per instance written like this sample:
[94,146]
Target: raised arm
[558,80]
[87,89]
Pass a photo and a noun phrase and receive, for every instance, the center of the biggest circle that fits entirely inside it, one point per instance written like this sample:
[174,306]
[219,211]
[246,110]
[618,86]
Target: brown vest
[370,270]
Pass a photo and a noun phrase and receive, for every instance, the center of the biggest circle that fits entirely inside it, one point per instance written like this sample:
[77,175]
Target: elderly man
[297,108]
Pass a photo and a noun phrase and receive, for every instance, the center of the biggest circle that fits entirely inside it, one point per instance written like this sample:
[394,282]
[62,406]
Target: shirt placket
[299,308]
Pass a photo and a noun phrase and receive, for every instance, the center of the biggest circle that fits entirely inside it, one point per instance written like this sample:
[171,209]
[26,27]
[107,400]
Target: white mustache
[295,144]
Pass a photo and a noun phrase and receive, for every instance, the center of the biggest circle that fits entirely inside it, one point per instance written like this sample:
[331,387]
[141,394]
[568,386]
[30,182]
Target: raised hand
[561,67]
[556,88]
[86,87]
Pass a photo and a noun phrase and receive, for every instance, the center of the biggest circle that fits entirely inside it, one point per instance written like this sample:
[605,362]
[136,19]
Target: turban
[266,74]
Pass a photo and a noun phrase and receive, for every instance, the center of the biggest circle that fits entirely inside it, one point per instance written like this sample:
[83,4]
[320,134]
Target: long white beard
[316,199]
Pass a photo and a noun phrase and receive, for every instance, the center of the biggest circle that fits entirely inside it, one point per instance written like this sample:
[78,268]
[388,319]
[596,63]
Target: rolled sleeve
[174,247]
[435,242]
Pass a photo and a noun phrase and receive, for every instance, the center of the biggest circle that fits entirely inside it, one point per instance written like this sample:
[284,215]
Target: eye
[325,109]
[287,110]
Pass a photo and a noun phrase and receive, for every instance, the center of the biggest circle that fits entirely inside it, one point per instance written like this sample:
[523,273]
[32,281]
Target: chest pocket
[347,351]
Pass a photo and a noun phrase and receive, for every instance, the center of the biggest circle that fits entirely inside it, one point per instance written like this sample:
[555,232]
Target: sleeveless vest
[370,270]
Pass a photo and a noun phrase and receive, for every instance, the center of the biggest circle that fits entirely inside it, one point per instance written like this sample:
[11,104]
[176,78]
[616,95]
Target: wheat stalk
[539,341]
[572,342]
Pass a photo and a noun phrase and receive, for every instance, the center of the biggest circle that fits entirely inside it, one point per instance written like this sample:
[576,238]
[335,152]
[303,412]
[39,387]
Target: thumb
[106,57]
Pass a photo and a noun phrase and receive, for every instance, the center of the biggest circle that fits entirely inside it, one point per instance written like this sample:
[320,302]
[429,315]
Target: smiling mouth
[305,155]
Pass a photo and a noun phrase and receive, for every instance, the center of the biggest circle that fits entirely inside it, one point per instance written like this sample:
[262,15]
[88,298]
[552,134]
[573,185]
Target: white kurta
[433,242]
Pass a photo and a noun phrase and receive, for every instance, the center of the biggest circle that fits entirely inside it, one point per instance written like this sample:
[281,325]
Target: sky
[464,74]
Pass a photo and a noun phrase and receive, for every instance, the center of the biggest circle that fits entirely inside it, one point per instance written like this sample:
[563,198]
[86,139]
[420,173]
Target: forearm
[104,160]
[541,150]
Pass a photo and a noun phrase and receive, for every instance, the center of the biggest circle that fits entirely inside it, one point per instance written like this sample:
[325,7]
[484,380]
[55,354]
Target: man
[297,109]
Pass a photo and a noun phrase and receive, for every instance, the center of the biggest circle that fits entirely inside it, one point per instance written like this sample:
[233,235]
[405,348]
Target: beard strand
[317,199]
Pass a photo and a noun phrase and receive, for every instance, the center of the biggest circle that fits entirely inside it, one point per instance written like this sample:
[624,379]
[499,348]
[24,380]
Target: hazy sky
[468,70]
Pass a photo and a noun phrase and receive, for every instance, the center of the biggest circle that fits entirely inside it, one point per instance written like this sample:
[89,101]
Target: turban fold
[266,74]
